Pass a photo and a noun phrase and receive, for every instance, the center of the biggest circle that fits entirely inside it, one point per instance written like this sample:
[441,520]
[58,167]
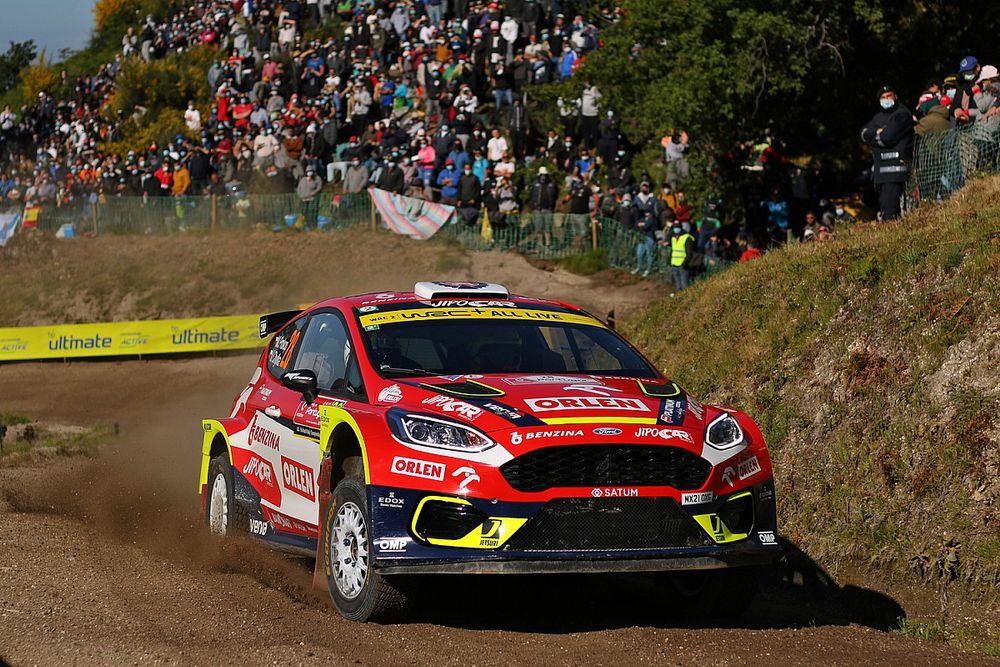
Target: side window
[282,348]
[327,351]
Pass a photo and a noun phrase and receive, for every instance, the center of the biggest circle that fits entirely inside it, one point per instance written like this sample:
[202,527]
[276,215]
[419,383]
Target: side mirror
[303,381]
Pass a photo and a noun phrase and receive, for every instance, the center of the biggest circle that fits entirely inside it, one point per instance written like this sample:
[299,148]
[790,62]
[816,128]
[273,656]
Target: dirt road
[101,562]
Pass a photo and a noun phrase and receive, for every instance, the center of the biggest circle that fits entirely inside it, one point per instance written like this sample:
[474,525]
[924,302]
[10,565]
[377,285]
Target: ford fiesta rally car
[461,429]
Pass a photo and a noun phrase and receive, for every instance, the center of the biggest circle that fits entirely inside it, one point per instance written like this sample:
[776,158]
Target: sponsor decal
[307,412]
[391,544]
[505,412]
[697,498]
[391,394]
[371,327]
[766,493]
[206,426]
[133,339]
[258,527]
[607,430]
[468,475]
[673,411]
[550,379]
[391,501]
[460,408]
[748,467]
[307,431]
[260,469]
[9,345]
[261,436]
[410,315]
[287,523]
[728,474]
[264,392]
[767,537]
[66,343]
[490,533]
[664,434]
[367,309]
[196,337]
[458,303]
[516,438]
[696,408]
[615,492]
[298,478]
[590,389]
[417,468]
[560,403]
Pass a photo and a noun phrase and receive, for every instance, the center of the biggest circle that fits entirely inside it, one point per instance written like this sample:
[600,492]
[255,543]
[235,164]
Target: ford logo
[607,431]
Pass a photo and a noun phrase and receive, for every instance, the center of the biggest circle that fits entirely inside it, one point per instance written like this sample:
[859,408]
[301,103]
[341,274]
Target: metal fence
[553,236]
[944,161]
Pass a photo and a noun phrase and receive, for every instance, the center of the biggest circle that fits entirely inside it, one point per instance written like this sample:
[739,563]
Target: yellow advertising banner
[204,334]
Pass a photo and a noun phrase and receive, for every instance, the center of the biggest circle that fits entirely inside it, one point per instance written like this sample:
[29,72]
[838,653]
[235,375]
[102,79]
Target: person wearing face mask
[890,135]
[469,195]
[356,177]
[962,107]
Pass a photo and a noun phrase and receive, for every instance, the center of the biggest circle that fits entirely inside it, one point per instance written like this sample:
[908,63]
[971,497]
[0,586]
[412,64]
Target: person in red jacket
[752,252]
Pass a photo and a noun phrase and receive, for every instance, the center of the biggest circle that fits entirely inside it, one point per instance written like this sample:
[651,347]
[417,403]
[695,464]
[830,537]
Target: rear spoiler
[271,323]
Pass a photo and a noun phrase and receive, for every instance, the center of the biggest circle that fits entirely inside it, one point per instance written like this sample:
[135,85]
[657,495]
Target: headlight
[724,432]
[431,432]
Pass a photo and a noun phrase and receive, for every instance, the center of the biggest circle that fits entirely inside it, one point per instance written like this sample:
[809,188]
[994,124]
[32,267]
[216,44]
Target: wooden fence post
[371,205]
[215,211]
[93,215]
[593,233]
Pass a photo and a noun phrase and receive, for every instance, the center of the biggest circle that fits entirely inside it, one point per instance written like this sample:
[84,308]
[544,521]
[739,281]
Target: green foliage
[926,630]
[15,59]
[586,264]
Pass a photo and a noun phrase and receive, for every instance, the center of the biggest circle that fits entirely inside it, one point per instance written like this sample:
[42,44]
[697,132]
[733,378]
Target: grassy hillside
[872,362]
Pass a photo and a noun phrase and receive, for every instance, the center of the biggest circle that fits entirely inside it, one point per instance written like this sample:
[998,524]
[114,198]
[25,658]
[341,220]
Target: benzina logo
[261,435]
[586,403]
[195,337]
[298,478]
[95,342]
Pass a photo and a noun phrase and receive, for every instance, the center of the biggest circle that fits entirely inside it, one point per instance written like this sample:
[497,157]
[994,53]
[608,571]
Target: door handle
[273,411]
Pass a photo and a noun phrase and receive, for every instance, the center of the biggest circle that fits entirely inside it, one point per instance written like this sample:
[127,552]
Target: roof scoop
[444,289]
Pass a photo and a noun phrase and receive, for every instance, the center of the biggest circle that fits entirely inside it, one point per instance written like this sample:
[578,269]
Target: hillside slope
[873,365]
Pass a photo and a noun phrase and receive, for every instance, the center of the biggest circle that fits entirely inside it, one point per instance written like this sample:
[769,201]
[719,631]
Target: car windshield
[457,347]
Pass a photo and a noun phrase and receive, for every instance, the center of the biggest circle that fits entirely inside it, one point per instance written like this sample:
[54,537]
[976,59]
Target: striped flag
[31,216]
[8,225]
[410,216]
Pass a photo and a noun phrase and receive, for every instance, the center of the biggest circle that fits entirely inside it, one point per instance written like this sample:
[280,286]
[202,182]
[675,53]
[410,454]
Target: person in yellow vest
[681,248]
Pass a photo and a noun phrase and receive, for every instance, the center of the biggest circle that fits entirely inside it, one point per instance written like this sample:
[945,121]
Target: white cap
[988,72]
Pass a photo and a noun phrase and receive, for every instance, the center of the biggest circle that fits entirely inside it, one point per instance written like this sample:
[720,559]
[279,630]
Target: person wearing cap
[543,203]
[447,180]
[962,108]
[986,97]
[890,135]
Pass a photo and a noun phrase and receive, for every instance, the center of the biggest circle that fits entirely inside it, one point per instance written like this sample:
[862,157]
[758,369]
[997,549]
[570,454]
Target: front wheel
[359,593]
[223,515]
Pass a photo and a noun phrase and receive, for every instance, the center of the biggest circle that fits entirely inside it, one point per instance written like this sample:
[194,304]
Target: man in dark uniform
[890,134]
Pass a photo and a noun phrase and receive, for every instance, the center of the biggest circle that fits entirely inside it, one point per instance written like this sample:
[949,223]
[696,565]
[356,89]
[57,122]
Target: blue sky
[53,24]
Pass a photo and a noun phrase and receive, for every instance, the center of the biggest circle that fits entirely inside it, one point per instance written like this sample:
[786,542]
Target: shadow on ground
[795,593]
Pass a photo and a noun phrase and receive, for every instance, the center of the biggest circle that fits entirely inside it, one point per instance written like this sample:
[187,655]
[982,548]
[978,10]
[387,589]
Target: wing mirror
[303,381]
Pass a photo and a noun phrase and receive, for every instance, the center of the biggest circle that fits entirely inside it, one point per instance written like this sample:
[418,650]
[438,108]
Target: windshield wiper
[404,371]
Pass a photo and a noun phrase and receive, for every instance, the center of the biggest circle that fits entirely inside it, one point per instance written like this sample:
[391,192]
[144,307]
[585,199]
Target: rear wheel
[223,515]
[357,590]
[723,593]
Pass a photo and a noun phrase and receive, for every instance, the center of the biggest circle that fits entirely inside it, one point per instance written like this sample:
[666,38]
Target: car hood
[502,401]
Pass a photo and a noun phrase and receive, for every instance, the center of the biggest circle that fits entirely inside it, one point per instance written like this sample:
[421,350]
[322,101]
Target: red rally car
[461,429]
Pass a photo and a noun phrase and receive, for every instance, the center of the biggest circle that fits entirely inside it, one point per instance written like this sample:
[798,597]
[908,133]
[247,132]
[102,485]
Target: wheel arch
[215,441]
[340,438]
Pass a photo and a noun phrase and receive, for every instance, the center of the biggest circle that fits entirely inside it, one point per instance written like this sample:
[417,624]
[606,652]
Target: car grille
[606,465]
[608,524]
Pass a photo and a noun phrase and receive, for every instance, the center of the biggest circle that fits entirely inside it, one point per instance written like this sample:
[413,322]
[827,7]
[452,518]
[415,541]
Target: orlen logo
[261,435]
[298,478]
[664,434]
[417,468]
[586,403]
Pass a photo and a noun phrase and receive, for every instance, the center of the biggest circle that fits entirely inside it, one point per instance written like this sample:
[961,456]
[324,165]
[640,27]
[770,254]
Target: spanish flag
[31,217]
[487,229]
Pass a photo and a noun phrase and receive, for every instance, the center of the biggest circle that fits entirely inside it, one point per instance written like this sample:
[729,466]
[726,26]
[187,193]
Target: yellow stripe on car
[425,314]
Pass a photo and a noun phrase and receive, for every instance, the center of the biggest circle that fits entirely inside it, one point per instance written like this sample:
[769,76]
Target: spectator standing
[682,248]
[543,203]
[890,134]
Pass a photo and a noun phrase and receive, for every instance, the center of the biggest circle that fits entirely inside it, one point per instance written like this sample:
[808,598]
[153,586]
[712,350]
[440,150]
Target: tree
[15,59]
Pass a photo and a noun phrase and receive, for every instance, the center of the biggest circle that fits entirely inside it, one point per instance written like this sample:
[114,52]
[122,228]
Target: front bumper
[421,532]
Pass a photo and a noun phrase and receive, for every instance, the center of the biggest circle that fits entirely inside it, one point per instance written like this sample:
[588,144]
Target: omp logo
[767,537]
[460,408]
[261,435]
[298,478]
[664,434]
[196,337]
[417,468]
[95,342]
[586,403]
[391,544]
